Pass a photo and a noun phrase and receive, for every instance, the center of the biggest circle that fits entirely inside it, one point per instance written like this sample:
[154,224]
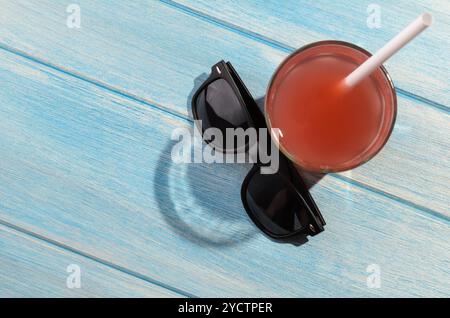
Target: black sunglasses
[279,203]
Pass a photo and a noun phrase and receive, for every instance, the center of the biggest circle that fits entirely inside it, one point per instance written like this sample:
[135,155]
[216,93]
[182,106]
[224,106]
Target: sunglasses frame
[316,220]
[224,70]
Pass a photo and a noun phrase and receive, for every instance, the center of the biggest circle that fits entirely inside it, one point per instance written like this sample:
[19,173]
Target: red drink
[325,126]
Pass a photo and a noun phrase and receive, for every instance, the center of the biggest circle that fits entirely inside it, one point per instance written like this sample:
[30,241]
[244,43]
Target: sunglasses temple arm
[316,219]
[313,211]
[252,107]
[300,184]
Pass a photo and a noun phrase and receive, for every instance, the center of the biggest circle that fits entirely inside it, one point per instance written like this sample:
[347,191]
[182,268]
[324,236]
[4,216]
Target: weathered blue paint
[86,117]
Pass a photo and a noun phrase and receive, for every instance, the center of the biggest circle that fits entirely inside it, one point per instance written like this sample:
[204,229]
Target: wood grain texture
[157,54]
[91,169]
[420,68]
[30,267]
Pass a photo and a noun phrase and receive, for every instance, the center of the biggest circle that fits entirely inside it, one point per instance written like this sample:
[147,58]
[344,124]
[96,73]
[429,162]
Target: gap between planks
[97,259]
[278,45]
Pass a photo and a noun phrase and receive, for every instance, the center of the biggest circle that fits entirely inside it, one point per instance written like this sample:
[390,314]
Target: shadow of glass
[201,202]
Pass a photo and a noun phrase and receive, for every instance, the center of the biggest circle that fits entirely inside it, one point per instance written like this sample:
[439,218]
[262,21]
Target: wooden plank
[419,69]
[30,267]
[156,54]
[92,170]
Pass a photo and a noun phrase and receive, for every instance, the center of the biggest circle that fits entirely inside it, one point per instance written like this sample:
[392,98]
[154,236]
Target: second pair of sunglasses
[280,203]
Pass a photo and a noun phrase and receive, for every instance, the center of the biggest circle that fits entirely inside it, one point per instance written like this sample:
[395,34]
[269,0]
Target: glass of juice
[323,125]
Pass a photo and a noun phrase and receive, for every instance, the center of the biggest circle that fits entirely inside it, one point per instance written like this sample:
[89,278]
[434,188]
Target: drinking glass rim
[384,72]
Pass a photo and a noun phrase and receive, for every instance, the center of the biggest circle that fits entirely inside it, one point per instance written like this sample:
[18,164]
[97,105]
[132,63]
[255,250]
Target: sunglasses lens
[275,204]
[218,106]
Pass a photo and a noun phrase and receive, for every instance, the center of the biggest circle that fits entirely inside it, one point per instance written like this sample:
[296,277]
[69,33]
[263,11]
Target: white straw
[405,36]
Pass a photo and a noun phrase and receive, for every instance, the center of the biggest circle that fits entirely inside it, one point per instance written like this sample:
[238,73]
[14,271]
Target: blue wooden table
[88,188]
